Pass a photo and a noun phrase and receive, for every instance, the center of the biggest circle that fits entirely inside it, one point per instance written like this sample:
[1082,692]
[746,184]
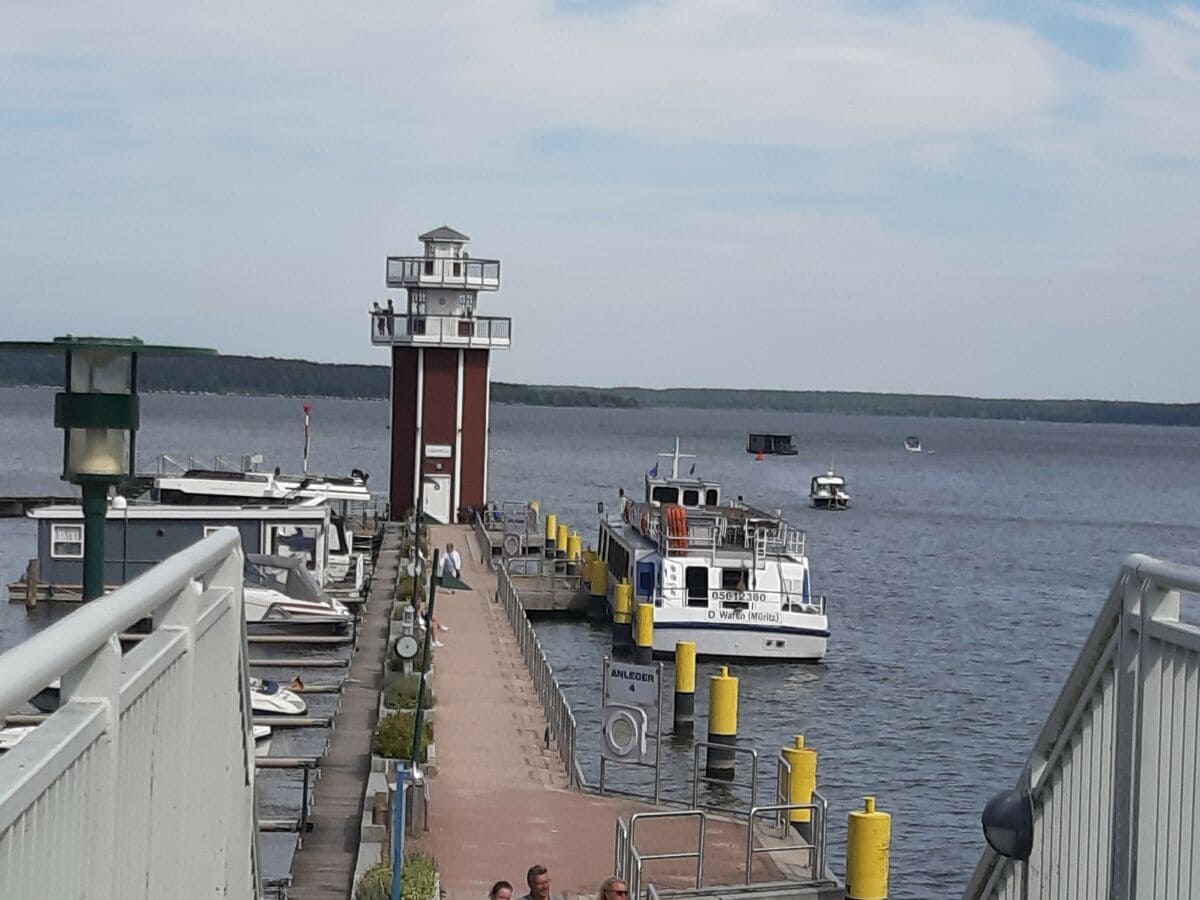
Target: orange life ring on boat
[645,529]
[675,522]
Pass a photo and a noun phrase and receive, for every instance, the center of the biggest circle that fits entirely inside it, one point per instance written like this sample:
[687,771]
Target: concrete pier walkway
[324,868]
[500,801]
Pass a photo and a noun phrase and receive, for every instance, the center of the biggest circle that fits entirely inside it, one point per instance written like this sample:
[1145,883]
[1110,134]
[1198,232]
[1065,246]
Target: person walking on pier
[538,879]
[451,565]
[613,888]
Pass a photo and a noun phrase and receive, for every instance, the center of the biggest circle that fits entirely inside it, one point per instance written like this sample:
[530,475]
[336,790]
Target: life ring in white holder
[511,545]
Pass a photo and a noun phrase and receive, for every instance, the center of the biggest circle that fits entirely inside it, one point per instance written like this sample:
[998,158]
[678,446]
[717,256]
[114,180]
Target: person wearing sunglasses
[612,889]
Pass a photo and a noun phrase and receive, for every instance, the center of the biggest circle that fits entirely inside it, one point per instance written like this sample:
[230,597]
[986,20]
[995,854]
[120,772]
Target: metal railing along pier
[559,718]
[141,783]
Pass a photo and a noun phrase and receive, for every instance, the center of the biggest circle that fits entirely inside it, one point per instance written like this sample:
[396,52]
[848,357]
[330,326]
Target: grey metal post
[658,716]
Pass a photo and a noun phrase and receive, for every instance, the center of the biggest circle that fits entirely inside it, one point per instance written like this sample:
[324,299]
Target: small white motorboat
[281,594]
[912,444]
[267,698]
[828,491]
[262,740]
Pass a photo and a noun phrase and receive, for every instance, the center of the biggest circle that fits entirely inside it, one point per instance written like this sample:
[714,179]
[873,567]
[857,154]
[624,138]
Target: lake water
[961,583]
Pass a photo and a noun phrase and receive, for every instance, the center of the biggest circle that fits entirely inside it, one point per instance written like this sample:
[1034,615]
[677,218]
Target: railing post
[98,680]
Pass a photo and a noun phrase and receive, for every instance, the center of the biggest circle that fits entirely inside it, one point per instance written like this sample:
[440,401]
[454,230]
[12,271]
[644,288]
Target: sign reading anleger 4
[635,685]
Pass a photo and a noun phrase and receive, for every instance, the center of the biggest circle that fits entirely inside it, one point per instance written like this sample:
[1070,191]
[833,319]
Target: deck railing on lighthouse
[1113,776]
[141,783]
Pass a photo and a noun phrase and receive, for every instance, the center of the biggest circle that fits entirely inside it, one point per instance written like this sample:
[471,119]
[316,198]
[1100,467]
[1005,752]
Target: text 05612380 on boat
[729,577]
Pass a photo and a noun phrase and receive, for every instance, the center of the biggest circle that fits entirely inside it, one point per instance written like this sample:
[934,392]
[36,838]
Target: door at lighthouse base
[437,498]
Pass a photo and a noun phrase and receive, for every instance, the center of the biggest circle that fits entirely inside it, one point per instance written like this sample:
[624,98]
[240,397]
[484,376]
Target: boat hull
[743,642]
[300,625]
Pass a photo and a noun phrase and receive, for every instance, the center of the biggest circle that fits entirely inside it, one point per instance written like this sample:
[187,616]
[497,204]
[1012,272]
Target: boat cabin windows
[645,579]
[66,541]
[734,579]
[712,497]
[665,494]
[696,579]
[691,497]
[618,561]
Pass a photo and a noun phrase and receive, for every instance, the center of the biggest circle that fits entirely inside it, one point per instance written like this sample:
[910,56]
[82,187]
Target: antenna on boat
[307,411]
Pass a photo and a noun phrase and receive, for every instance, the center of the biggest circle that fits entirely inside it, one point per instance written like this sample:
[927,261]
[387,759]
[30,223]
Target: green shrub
[375,883]
[404,588]
[394,736]
[402,693]
[417,879]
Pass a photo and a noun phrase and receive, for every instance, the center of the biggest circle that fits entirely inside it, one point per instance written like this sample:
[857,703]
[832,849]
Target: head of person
[501,890]
[538,879]
[612,889]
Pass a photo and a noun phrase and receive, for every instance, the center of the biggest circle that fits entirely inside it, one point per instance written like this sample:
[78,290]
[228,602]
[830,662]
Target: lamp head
[1008,824]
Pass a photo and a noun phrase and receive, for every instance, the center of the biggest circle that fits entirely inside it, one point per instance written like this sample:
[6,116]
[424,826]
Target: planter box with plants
[418,880]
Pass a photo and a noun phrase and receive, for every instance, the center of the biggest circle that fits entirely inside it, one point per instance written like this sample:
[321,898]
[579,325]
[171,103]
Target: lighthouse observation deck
[443,272]
[407,330]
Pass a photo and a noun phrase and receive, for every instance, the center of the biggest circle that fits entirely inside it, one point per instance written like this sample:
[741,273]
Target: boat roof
[185,511]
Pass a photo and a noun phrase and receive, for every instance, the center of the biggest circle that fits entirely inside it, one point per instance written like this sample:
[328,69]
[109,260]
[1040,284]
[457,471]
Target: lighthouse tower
[440,387]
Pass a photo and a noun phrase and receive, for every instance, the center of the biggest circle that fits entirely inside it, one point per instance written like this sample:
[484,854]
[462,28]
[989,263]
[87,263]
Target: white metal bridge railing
[559,718]
[141,783]
[1114,776]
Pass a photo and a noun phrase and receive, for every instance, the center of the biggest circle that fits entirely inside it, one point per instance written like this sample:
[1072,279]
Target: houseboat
[729,577]
[138,536]
[771,444]
[828,491]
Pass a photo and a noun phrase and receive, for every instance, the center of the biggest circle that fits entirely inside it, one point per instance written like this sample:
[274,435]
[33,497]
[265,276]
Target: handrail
[696,777]
[819,809]
[559,717]
[482,539]
[1115,689]
[632,868]
[35,662]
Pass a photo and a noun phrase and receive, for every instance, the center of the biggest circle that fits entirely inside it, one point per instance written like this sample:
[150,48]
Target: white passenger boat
[828,491]
[731,578]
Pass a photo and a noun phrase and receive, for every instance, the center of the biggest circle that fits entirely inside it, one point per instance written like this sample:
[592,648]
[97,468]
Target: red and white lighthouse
[440,389]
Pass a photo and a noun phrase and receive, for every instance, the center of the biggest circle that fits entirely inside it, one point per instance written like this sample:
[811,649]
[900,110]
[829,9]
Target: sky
[987,199]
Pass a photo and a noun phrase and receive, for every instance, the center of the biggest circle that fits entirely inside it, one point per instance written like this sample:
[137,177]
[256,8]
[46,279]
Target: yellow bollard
[587,555]
[598,580]
[551,534]
[622,615]
[560,540]
[643,634]
[868,840]
[722,723]
[685,685]
[803,782]
[574,547]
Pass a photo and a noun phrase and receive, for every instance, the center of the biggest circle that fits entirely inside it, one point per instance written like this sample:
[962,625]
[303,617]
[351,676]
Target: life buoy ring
[511,545]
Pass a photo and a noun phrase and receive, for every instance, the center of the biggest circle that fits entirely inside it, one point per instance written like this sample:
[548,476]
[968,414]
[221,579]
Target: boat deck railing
[746,600]
[1112,778]
[141,783]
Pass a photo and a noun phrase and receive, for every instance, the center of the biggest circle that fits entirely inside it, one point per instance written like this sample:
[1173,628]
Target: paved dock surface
[500,801]
[324,867]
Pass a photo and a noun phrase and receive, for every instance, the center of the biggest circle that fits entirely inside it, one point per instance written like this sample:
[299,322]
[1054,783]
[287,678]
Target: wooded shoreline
[268,376]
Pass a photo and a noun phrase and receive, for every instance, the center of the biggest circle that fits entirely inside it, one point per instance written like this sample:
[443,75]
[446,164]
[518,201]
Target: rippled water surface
[961,583]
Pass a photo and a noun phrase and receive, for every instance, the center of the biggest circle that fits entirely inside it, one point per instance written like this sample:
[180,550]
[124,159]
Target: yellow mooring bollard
[643,634]
[597,586]
[574,547]
[622,615]
[868,842]
[722,723]
[560,541]
[685,686]
[803,781]
[551,534]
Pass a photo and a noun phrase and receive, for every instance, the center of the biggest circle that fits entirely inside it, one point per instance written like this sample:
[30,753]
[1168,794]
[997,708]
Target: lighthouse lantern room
[440,386]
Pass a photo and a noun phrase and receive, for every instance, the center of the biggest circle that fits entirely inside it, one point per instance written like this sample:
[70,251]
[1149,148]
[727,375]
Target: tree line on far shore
[258,376]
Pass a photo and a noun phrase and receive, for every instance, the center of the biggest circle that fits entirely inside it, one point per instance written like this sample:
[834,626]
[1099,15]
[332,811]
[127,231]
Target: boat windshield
[283,574]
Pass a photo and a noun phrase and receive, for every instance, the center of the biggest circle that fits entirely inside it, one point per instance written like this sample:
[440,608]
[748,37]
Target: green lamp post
[98,413]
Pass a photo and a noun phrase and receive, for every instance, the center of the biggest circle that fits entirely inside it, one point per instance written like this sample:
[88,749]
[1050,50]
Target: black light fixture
[1008,824]
[98,413]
